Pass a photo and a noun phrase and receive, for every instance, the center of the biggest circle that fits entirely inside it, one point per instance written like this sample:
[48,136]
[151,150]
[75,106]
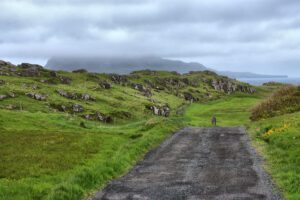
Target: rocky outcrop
[119,79]
[160,110]
[189,97]
[145,91]
[105,84]
[65,80]
[30,70]
[98,116]
[230,87]
[76,96]
[71,108]
[76,108]
[40,97]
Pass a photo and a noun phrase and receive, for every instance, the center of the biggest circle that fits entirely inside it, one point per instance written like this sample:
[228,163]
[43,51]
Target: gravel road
[196,163]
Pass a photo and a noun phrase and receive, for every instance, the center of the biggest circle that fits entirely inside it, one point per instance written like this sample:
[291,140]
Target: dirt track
[196,163]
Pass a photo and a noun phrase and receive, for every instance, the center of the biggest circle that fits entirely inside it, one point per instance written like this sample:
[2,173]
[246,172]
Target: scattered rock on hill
[99,117]
[105,84]
[119,79]
[65,80]
[73,95]
[145,91]
[3,96]
[87,97]
[77,108]
[160,110]
[189,97]
[40,97]
[12,94]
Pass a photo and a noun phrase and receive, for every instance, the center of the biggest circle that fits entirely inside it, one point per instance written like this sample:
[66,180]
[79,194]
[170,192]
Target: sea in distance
[260,81]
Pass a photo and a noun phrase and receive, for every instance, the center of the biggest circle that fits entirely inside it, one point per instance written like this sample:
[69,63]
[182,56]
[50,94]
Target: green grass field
[66,165]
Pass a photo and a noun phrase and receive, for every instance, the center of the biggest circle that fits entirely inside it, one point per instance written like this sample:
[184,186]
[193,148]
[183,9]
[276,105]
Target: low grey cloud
[239,35]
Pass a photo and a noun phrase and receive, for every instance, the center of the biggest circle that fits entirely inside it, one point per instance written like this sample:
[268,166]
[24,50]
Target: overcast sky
[238,35]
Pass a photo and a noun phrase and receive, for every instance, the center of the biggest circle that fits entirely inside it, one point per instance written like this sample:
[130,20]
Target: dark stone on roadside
[77,108]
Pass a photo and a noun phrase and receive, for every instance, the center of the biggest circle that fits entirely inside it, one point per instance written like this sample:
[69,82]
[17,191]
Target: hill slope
[64,134]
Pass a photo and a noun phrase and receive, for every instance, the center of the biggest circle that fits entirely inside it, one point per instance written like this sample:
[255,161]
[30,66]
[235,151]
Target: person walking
[214,121]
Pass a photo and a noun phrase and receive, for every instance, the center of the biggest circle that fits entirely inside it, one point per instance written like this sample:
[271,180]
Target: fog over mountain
[125,65]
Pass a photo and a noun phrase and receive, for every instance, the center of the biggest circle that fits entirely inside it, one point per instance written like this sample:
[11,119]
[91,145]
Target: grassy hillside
[65,134]
[284,100]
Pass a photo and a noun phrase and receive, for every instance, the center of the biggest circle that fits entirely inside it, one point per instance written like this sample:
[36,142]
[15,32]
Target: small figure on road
[214,121]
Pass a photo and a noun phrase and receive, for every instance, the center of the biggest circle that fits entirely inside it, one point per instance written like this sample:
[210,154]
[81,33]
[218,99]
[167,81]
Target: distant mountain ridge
[125,65]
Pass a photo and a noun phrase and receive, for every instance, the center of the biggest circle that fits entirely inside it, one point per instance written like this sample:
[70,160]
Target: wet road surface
[196,163]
